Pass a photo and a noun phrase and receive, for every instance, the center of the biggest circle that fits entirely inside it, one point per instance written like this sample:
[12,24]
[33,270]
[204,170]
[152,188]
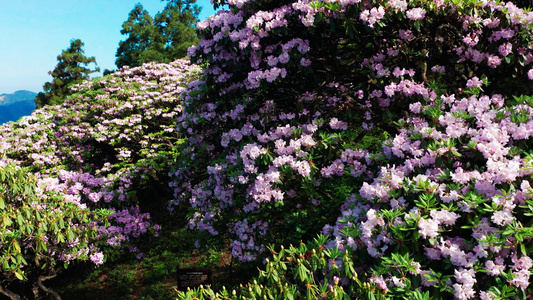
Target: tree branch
[40,280]
[9,293]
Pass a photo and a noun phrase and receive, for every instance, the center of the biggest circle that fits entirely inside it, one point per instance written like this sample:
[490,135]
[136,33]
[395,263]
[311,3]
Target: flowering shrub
[89,157]
[278,135]
[41,229]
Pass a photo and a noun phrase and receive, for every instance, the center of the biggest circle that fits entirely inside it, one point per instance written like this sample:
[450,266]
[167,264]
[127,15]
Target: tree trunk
[9,293]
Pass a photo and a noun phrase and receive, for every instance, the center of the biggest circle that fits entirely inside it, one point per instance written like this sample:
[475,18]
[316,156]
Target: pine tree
[163,39]
[144,42]
[70,69]
[177,23]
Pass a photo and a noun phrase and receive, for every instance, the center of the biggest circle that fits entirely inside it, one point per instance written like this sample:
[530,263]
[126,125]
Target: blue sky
[34,32]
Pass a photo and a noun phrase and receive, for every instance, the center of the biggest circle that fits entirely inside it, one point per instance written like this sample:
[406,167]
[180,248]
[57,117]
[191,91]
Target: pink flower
[284,58]
[95,197]
[334,123]
[400,5]
[406,35]
[522,263]
[521,279]
[303,168]
[507,33]
[448,99]
[491,23]
[272,60]
[337,168]
[494,268]
[502,217]
[238,3]
[97,258]
[463,291]
[476,55]
[428,228]
[373,15]
[438,69]
[433,254]
[474,82]
[415,107]
[416,13]
[380,282]
[445,217]
[471,40]
[493,61]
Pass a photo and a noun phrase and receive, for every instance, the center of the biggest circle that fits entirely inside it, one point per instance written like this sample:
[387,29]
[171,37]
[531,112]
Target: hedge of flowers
[88,157]
[411,118]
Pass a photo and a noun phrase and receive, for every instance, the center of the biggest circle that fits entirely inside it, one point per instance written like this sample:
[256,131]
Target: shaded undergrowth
[154,276]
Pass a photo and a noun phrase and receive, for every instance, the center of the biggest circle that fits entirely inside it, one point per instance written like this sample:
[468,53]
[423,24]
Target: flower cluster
[444,195]
[401,108]
[248,234]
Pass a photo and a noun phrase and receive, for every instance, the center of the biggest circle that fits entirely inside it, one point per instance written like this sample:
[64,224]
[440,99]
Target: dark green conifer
[163,39]
[70,69]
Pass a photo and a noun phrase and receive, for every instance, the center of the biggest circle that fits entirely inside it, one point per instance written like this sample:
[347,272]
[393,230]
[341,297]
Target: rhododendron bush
[282,135]
[86,160]
[41,230]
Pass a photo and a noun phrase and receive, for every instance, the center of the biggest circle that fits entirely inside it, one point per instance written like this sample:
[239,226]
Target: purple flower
[97,258]
[493,61]
[334,123]
[415,107]
[505,49]
[474,82]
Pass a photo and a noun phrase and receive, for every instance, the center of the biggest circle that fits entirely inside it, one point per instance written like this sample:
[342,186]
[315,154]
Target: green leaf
[5,265]
[20,220]
[70,235]
[302,271]
[16,246]
[19,275]
[60,238]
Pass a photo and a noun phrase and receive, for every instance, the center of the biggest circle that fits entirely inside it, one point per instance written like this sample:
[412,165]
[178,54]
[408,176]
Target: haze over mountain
[15,105]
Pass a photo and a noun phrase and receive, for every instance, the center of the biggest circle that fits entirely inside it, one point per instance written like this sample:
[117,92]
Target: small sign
[194,277]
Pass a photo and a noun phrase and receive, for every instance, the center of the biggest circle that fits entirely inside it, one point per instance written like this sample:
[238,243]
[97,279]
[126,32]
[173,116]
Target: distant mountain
[13,106]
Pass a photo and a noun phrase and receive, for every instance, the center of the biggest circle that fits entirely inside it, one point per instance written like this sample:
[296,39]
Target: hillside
[308,149]
[15,105]
[98,152]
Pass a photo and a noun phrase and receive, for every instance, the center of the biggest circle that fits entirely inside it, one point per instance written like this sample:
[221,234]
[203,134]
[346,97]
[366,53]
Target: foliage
[71,69]
[144,42]
[92,157]
[176,23]
[294,273]
[275,137]
[163,39]
[41,230]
